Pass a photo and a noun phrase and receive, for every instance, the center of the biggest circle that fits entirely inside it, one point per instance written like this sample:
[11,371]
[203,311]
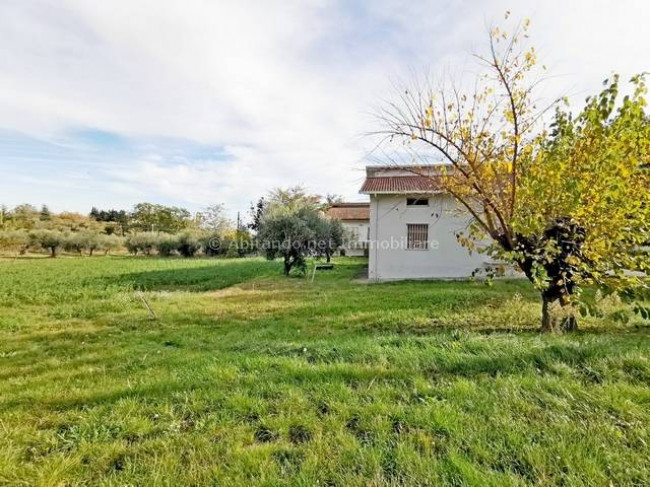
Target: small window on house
[417,236]
[417,201]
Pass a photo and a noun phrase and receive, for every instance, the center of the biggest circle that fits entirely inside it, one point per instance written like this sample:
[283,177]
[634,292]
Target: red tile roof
[399,184]
[350,211]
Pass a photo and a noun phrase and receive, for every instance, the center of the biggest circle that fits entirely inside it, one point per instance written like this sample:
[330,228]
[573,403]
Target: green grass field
[249,378]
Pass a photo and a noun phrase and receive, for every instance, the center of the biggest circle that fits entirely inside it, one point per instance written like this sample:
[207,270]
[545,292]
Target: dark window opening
[417,201]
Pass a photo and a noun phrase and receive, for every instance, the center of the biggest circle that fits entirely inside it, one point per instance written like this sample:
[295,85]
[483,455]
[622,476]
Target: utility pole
[238,223]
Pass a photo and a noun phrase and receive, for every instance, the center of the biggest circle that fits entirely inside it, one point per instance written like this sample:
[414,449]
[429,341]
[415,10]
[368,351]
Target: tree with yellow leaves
[569,205]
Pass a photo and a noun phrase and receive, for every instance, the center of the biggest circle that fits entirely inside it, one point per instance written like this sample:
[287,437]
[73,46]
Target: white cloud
[284,86]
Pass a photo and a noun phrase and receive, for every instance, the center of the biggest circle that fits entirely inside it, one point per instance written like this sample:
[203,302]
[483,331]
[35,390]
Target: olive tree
[107,243]
[329,237]
[51,240]
[288,233]
[188,244]
[143,242]
[166,244]
[15,241]
[293,226]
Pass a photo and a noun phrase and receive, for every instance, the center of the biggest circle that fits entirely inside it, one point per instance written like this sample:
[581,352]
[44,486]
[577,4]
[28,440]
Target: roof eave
[436,191]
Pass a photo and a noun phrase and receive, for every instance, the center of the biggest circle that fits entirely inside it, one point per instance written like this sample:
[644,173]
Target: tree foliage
[294,226]
[14,241]
[50,240]
[160,218]
[214,218]
[568,206]
[256,212]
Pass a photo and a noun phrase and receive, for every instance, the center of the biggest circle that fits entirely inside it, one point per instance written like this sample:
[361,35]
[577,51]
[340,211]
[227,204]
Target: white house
[413,227]
[355,219]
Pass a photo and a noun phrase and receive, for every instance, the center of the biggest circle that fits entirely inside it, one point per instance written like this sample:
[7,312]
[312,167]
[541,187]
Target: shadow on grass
[199,279]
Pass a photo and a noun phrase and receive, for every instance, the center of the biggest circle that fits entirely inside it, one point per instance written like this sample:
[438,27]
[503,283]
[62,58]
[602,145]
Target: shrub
[231,244]
[74,242]
[239,244]
[188,244]
[141,242]
[90,241]
[14,241]
[213,244]
[109,242]
[166,244]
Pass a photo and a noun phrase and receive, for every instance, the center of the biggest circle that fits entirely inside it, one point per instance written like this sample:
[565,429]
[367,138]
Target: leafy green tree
[51,240]
[143,242]
[166,244]
[569,207]
[239,243]
[153,217]
[188,244]
[294,227]
[293,197]
[214,219]
[256,212]
[4,216]
[74,242]
[70,222]
[117,220]
[286,233]
[24,217]
[329,237]
[14,241]
[45,214]
[108,243]
[213,244]
[89,240]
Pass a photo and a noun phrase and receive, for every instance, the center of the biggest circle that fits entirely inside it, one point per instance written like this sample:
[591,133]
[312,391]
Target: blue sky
[194,102]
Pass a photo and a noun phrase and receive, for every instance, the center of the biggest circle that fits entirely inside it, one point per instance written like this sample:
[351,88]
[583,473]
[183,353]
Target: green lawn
[249,378]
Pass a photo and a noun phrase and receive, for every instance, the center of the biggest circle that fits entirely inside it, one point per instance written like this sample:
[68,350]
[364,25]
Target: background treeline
[290,216]
[147,229]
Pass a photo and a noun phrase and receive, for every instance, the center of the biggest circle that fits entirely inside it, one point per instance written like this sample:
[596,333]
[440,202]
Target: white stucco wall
[445,257]
[355,247]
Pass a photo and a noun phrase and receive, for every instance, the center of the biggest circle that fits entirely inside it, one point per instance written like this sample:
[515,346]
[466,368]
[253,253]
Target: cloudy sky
[193,102]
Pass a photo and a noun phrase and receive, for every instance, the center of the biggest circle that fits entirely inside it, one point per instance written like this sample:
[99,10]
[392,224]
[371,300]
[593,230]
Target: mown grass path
[249,378]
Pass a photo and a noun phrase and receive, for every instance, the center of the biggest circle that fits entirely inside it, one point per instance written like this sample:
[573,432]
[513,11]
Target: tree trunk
[328,256]
[556,316]
[90,252]
[567,239]
[548,315]
[53,252]
[287,265]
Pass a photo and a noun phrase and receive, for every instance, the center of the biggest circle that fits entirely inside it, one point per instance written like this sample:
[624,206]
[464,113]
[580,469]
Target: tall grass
[249,378]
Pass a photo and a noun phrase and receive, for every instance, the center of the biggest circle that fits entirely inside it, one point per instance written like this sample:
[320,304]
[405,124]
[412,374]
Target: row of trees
[24,228]
[185,244]
[53,241]
[27,217]
[142,218]
[288,223]
[190,243]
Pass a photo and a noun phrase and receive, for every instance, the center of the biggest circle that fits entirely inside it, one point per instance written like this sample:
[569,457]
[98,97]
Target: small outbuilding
[413,226]
[355,219]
